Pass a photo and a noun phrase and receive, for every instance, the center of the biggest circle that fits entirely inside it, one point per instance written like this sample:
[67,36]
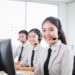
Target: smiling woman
[57,59]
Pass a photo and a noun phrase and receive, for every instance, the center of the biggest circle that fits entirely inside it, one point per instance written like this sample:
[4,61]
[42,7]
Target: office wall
[12,20]
[62,13]
[71,23]
[67,16]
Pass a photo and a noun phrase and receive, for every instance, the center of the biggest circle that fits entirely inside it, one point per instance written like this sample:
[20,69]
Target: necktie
[46,72]
[32,58]
[20,54]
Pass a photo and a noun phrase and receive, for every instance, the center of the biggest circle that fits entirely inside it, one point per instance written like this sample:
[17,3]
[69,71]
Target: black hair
[37,31]
[25,32]
[57,23]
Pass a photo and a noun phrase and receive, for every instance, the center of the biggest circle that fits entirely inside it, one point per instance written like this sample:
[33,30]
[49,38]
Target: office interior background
[16,15]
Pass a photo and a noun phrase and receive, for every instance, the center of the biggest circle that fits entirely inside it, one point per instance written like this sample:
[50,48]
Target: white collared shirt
[61,60]
[36,56]
[24,53]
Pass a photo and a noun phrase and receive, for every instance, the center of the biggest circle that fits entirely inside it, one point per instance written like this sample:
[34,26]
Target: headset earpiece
[59,34]
[40,37]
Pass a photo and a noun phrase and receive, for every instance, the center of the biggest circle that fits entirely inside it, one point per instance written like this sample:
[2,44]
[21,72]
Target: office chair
[74,67]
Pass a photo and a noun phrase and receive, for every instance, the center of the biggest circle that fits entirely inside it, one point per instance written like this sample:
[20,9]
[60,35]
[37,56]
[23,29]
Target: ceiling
[62,0]
[49,1]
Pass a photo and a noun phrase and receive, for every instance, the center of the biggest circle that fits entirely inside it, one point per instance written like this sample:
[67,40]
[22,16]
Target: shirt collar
[25,44]
[56,46]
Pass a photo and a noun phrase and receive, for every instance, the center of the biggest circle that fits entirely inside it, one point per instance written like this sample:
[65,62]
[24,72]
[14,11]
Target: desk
[25,72]
[19,73]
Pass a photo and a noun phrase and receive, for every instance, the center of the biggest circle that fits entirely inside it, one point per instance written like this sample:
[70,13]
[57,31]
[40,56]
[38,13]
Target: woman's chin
[50,42]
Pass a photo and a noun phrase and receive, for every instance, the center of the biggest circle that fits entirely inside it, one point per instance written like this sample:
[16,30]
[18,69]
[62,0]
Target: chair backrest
[74,67]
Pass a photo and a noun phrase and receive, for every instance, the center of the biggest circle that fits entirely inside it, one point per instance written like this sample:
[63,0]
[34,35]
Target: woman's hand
[17,63]
[22,68]
[18,67]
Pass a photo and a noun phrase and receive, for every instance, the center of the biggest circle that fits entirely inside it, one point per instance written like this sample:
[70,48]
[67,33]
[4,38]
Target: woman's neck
[24,42]
[51,44]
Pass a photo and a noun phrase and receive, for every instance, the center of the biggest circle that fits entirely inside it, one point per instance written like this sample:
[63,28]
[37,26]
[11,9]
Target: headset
[40,37]
[24,32]
[59,29]
[37,31]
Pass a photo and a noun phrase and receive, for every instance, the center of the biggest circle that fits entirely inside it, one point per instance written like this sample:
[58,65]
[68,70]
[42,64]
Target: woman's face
[50,32]
[22,38]
[33,38]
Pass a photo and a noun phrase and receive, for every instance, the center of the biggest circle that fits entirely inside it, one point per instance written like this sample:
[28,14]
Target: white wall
[67,17]
[62,13]
[71,23]
[12,20]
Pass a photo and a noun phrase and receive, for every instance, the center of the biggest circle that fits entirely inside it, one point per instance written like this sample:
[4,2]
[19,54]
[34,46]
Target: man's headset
[37,31]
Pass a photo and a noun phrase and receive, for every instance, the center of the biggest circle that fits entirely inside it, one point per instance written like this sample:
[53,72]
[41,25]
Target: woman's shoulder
[66,49]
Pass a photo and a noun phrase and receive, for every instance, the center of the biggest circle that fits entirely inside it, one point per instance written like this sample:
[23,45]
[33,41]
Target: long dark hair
[57,23]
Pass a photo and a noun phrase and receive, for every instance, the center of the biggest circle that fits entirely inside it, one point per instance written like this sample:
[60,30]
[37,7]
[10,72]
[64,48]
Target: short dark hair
[25,32]
[57,23]
[38,32]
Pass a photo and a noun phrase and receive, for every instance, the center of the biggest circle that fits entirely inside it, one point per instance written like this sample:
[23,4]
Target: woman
[22,49]
[34,37]
[57,59]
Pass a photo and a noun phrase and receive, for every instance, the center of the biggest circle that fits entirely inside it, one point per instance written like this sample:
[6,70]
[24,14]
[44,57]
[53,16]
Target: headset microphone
[35,44]
[54,38]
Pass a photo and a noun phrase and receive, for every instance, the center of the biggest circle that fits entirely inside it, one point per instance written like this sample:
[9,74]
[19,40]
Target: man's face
[22,38]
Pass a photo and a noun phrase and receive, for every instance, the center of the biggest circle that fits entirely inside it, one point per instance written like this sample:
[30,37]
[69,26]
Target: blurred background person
[22,49]
[34,37]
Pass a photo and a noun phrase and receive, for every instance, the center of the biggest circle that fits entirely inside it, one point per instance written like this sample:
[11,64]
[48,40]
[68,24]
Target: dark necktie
[32,58]
[20,54]
[46,71]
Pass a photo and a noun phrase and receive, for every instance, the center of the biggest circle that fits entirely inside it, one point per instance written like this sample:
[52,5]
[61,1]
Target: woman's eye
[44,30]
[51,30]
[47,30]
